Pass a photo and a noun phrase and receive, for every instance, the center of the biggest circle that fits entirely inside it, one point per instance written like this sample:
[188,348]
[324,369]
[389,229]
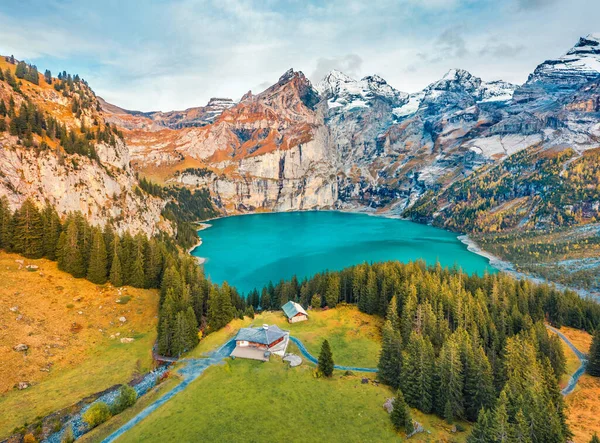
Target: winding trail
[312,359]
[580,355]
[191,371]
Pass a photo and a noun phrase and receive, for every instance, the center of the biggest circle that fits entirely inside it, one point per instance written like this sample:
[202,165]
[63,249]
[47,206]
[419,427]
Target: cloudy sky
[164,55]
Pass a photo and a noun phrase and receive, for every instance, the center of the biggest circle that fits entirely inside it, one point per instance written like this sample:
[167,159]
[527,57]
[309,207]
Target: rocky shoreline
[509,268]
[201,226]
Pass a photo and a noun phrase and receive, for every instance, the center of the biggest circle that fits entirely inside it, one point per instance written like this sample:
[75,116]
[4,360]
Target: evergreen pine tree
[484,430]
[153,264]
[29,231]
[70,256]
[418,373]
[220,309]
[400,415]
[593,366]
[325,365]
[192,328]
[595,439]
[479,383]
[450,373]
[137,278]
[333,290]
[5,224]
[390,356]
[521,429]
[116,276]
[52,230]
[504,430]
[98,260]
[180,336]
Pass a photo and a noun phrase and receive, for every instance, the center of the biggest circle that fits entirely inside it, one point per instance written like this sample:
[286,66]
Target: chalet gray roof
[264,335]
[292,308]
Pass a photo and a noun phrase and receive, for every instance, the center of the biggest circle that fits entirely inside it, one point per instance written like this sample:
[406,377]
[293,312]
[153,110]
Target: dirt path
[580,355]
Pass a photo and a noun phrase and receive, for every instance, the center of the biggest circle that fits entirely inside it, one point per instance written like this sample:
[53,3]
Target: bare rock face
[104,189]
[101,191]
[21,347]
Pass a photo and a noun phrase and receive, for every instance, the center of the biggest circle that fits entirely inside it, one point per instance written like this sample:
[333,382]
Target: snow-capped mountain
[343,91]
[579,65]
[362,143]
[458,88]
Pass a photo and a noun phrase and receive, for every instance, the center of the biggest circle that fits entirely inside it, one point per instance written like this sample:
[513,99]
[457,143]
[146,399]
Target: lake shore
[201,226]
[494,261]
[509,268]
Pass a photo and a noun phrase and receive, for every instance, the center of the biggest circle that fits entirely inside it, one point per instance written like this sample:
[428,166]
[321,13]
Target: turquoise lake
[248,251]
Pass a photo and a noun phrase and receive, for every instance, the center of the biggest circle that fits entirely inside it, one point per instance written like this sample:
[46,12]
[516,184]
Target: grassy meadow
[67,324]
[251,401]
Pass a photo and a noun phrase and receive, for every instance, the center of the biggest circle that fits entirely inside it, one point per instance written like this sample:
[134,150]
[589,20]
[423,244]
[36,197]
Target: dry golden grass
[583,403]
[67,324]
[584,409]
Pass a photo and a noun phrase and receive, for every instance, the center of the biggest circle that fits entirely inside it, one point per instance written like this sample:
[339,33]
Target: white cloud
[180,53]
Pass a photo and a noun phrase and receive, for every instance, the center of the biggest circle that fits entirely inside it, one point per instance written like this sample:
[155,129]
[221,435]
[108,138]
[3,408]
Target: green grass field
[354,337]
[245,400]
[251,401]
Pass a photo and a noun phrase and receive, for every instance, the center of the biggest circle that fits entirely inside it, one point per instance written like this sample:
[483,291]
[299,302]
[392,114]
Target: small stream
[312,359]
[80,427]
[194,367]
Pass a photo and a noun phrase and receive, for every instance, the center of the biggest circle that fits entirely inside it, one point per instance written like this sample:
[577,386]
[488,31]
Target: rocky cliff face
[359,144]
[102,186]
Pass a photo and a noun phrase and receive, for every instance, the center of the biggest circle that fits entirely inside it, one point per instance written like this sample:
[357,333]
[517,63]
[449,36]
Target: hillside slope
[72,330]
[56,148]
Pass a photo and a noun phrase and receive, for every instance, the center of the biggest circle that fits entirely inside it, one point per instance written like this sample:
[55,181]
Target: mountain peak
[456,74]
[342,90]
[289,75]
[579,65]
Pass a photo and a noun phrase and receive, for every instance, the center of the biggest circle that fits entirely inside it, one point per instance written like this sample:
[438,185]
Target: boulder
[417,428]
[126,340]
[389,405]
[122,319]
[21,347]
[22,385]
[293,359]
[14,309]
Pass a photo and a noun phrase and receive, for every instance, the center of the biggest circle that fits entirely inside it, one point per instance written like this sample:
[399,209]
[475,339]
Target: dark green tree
[70,256]
[400,415]
[593,366]
[29,231]
[332,295]
[325,365]
[116,273]
[97,268]
[418,373]
[484,431]
[390,356]
[52,230]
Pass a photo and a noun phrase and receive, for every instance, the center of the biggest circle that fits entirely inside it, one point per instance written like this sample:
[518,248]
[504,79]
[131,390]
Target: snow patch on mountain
[347,93]
[505,145]
[581,61]
[457,81]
